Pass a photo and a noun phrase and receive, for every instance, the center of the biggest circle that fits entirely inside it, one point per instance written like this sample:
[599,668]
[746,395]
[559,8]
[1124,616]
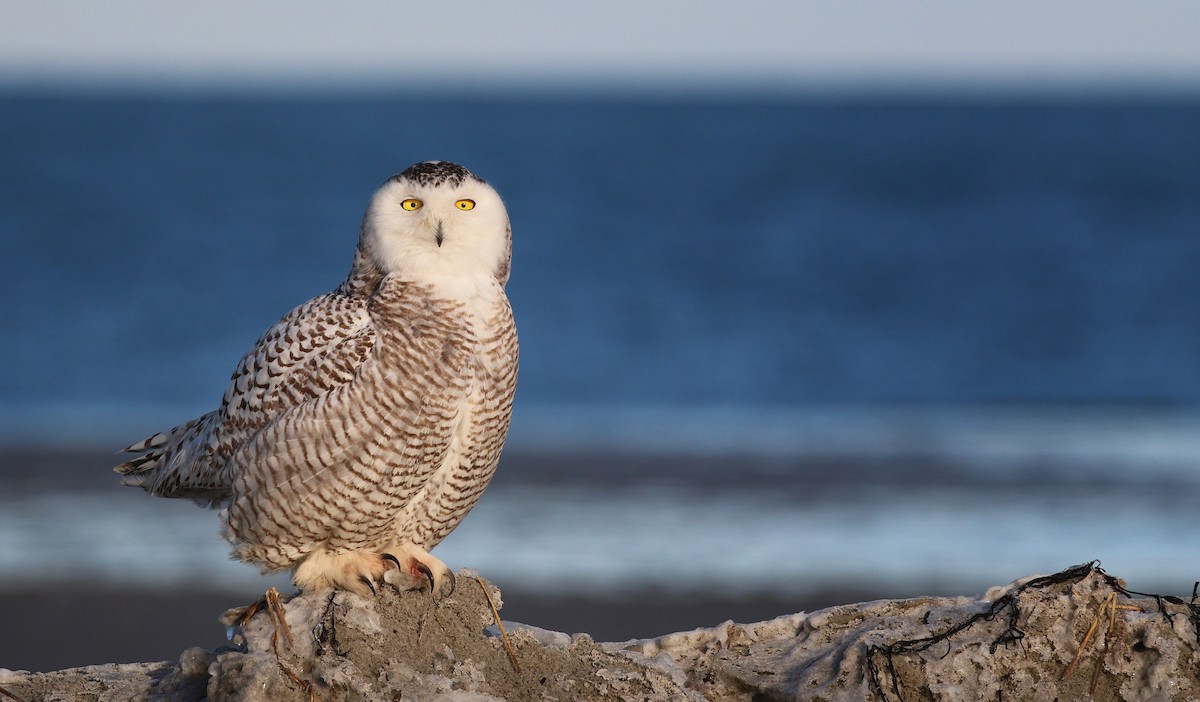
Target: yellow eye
[465,204]
[411,204]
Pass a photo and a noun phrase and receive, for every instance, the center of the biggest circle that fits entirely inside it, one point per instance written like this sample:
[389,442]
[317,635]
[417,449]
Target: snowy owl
[362,427]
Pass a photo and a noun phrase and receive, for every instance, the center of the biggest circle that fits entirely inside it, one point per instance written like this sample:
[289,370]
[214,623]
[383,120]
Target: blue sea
[768,342]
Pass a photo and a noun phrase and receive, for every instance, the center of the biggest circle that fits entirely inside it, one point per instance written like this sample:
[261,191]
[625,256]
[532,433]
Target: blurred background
[817,302]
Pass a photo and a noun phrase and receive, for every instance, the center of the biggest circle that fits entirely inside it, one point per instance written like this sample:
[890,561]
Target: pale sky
[760,42]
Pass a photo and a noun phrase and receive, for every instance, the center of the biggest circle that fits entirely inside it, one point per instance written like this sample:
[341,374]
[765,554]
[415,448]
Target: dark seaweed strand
[1010,635]
[1194,612]
[1013,633]
[1193,606]
[434,173]
[326,630]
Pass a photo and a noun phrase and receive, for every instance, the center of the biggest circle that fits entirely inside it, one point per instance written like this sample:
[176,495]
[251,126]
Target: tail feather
[165,463]
[152,450]
[153,442]
[162,437]
[141,464]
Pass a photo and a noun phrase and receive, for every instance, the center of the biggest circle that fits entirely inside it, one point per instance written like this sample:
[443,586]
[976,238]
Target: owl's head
[438,222]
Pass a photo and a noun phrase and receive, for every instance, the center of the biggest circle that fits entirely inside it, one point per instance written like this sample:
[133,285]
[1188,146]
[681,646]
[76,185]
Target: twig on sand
[279,617]
[503,634]
[1110,606]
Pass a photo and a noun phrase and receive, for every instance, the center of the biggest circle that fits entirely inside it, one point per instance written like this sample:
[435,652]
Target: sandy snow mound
[1078,634]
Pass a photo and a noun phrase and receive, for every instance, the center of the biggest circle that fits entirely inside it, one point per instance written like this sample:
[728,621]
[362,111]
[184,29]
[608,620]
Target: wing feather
[336,469]
[310,352]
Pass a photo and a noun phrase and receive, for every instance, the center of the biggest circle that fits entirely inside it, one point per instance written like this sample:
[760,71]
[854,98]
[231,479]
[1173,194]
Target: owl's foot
[413,568]
[356,571]
[404,566]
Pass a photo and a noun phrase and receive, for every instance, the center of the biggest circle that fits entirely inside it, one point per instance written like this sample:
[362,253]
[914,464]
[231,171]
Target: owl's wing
[334,471]
[313,350]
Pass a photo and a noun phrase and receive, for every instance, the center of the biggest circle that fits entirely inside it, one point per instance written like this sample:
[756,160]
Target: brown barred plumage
[366,423]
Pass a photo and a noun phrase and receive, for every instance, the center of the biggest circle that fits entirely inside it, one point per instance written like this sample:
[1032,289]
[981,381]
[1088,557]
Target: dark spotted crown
[434,173]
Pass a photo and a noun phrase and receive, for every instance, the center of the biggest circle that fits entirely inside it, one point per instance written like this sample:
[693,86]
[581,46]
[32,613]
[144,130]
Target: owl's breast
[472,349]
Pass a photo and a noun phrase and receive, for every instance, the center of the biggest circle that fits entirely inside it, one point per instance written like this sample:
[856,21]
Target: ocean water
[814,338]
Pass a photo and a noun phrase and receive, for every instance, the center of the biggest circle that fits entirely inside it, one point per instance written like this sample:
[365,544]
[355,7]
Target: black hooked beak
[439,235]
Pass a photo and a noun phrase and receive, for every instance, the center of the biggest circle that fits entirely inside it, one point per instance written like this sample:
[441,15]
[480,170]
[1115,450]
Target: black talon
[390,557]
[453,584]
[369,584]
[428,574]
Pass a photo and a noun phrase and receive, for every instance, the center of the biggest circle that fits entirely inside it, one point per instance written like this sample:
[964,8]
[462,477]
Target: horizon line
[667,84]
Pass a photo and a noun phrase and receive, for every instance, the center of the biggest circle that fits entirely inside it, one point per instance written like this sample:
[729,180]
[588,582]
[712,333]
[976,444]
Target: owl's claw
[416,566]
[368,582]
[416,569]
[427,573]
